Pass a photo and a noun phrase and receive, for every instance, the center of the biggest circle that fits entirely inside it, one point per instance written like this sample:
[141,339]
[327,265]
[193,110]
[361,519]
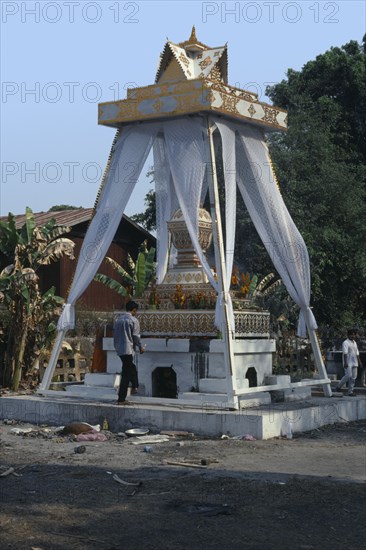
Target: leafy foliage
[61,207]
[148,218]
[32,325]
[321,166]
[135,282]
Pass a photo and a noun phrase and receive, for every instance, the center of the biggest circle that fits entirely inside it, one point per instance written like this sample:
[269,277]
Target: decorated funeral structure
[216,350]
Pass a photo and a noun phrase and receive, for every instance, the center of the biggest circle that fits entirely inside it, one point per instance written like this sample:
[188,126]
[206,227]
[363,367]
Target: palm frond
[140,274]
[272,287]
[149,265]
[27,275]
[120,270]
[111,283]
[131,263]
[263,282]
[9,236]
[56,232]
[56,249]
[29,226]
[7,270]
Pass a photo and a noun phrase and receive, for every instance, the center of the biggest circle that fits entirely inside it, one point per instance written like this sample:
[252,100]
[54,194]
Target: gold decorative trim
[270,114]
[191,96]
[229,103]
[181,323]
[205,62]
[251,110]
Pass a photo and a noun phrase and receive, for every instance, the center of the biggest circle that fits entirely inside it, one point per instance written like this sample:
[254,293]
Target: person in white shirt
[351,361]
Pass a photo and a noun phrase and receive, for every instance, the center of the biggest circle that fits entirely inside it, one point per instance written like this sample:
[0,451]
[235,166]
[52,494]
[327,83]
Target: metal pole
[220,267]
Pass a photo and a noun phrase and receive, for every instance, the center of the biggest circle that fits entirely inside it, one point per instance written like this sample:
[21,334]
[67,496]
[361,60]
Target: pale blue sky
[74,54]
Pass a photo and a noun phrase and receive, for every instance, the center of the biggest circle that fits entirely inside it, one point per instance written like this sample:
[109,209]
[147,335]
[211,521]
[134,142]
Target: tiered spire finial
[193,37]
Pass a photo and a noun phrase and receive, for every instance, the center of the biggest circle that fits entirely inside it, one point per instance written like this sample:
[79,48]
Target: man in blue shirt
[126,336]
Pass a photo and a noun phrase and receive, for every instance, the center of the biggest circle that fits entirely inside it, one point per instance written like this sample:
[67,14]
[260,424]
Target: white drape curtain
[166,203]
[128,158]
[186,147]
[229,165]
[272,220]
[182,160]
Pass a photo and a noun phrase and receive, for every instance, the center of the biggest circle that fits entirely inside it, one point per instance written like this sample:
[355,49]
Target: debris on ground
[149,439]
[246,437]
[77,428]
[122,482]
[21,431]
[176,433]
[7,471]
[185,464]
[92,436]
[80,449]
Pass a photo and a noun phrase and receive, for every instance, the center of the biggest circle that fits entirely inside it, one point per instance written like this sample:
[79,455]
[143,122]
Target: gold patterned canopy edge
[191,78]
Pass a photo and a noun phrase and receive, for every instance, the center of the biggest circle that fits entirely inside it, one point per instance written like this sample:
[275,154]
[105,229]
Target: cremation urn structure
[177,117]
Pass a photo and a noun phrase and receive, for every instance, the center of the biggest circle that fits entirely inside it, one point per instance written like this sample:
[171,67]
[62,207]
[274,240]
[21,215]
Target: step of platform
[102,379]
[262,423]
[200,397]
[247,401]
[212,385]
[93,392]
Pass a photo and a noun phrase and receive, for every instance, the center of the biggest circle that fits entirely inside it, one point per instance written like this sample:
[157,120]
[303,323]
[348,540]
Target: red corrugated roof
[64,217]
[68,218]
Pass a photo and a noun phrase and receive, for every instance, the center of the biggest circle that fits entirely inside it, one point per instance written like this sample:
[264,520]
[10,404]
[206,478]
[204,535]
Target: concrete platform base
[263,422]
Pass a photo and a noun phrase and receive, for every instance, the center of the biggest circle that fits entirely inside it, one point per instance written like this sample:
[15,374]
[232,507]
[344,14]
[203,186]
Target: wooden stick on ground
[186,464]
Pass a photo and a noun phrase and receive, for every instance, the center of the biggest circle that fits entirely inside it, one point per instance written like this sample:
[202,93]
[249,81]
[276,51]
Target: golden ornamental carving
[251,110]
[205,62]
[219,87]
[128,109]
[157,105]
[200,323]
[215,74]
[229,103]
[270,115]
[184,59]
[210,96]
[246,95]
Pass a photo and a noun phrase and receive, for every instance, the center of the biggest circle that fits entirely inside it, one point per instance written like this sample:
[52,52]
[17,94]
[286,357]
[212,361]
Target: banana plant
[136,280]
[26,250]
[266,286]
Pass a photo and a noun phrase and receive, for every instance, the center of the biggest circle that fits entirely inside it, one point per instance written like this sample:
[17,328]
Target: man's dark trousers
[129,374]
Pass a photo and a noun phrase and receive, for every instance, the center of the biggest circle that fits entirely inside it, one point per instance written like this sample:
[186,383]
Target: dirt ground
[303,493]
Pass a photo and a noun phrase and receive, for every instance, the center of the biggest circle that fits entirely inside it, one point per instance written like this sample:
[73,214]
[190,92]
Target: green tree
[61,207]
[320,164]
[148,218]
[33,314]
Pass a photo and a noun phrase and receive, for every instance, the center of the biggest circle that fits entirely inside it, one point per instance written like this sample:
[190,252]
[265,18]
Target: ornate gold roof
[192,78]
[192,59]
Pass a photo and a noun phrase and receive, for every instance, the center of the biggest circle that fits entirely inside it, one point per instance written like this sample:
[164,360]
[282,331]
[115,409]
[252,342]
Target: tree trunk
[19,360]
[8,368]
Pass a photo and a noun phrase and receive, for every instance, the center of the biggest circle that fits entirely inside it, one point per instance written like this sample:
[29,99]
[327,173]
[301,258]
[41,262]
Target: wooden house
[128,238]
